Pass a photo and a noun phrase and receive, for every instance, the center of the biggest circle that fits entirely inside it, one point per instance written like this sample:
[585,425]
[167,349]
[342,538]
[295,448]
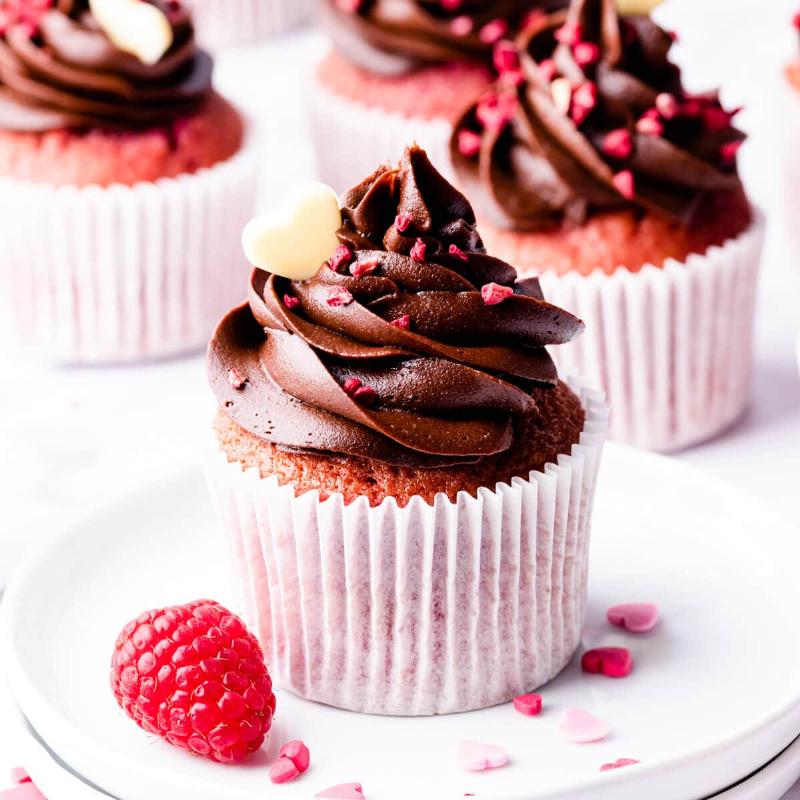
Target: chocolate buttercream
[58,69]
[591,115]
[396,36]
[391,351]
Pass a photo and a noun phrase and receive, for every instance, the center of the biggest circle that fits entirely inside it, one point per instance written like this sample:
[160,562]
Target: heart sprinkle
[343,791]
[634,617]
[613,662]
[528,704]
[620,762]
[582,727]
[477,756]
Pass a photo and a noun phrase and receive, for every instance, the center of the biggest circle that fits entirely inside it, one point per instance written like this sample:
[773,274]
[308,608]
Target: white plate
[715,695]
[772,782]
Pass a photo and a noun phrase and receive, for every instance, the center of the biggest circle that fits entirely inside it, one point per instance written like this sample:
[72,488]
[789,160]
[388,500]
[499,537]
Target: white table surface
[72,438]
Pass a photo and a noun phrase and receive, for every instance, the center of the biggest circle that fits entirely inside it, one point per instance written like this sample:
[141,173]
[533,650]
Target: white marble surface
[71,438]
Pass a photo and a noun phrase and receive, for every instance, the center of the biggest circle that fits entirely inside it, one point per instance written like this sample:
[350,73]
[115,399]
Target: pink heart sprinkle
[24,791]
[343,791]
[582,727]
[634,617]
[19,775]
[528,704]
[613,662]
[620,762]
[283,770]
[476,756]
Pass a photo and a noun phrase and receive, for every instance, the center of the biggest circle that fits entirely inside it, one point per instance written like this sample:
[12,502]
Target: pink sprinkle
[650,126]
[365,395]
[342,256]
[290,301]
[349,6]
[547,68]
[624,184]
[528,704]
[620,762]
[418,251]
[18,776]
[462,26]
[402,221]
[478,756]
[634,617]
[729,150]
[667,105]
[297,753]
[236,380]
[283,771]
[493,31]
[796,20]
[584,99]
[344,791]
[361,268]
[469,143]
[618,143]
[581,727]
[451,5]
[716,119]
[586,53]
[613,662]
[402,322]
[493,293]
[495,111]
[569,33]
[351,385]
[457,252]
[505,56]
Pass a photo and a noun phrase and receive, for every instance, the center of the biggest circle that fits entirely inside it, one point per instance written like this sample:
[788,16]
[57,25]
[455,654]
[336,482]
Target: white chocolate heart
[135,27]
[296,241]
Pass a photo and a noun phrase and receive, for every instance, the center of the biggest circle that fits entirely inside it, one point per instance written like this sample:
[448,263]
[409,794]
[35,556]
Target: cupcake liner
[222,23]
[124,273]
[786,101]
[671,346]
[426,609]
[350,138]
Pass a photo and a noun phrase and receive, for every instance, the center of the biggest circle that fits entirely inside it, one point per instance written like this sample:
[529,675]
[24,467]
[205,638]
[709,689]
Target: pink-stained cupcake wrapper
[222,23]
[427,609]
[671,346]
[124,273]
[351,139]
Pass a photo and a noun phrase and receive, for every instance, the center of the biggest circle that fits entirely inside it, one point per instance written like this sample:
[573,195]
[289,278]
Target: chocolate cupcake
[401,72]
[113,141]
[592,167]
[396,449]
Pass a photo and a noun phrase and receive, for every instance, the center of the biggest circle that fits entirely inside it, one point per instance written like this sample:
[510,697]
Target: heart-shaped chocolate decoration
[295,242]
[135,27]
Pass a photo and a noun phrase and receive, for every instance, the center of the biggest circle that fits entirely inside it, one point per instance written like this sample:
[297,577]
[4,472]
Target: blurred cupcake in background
[788,103]
[599,173]
[401,71]
[223,23]
[124,180]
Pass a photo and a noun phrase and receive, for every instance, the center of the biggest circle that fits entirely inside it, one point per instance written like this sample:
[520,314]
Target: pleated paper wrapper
[124,273]
[426,609]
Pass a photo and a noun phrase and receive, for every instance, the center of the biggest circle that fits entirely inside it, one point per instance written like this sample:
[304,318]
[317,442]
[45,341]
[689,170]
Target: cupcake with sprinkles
[403,71]
[591,167]
[114,143]
[406,482]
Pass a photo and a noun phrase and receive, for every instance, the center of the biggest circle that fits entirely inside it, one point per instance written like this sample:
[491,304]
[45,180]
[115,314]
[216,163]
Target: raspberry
[195,676]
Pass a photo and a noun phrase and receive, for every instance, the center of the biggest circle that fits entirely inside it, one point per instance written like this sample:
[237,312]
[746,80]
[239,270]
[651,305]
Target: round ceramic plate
[714,696]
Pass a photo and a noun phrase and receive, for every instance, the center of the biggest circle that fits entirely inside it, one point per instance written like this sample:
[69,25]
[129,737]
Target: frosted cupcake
[600,174]
[401,72]
[114,144]
[406,483]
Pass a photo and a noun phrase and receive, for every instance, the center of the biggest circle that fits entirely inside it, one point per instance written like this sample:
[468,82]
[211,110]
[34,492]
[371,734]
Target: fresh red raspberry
[195,676]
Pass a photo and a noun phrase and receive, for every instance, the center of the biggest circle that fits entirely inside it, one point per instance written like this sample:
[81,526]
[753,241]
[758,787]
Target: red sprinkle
[418,251]
[529,704]
[584,99]
[493,31]
[18,776]
[341,257]
[651,126]
[359,269]
[462,26]
[402,322]
[505,56]
[469,143]
[667,105]
[297,753]
[457,252]
[613,662]
[402,221]
[351,384]
[283,771]
[624,184]
[339,296]
[717,119]
[290,301]
[620,762]
[547,68]
[350,6]
[586,53]
[569,33]
[495,111]
[236,380]
[451,5]
[729,150]
[365,395]
[618,143]
[796,20]
[494,293]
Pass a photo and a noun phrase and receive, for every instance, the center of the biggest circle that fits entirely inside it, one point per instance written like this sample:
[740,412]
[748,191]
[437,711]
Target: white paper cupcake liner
[671,346]
[350,139]
[119,274]
[222,23]
[427,609]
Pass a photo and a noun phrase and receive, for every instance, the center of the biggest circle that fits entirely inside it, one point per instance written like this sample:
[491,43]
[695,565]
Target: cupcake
[591,167]
[114,143]
[788,101]
[402,71]
[405,482]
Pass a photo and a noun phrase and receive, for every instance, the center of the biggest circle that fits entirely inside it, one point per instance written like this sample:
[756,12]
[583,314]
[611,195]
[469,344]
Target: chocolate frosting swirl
[590,116]
[59,69]
[392,351]
[396,36]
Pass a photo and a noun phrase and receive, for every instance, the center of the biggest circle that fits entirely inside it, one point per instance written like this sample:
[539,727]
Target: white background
[72,438]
